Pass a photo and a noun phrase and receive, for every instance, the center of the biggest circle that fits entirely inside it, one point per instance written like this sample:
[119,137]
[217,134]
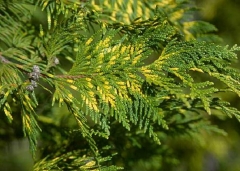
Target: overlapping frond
[74,160]
[55,9]
[181,59]
[16,53]
[178,13]
[105,75]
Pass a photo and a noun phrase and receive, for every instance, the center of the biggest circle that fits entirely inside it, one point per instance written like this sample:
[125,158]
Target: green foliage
[107,84]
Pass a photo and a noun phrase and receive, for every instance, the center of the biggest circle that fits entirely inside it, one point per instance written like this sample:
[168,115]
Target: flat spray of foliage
[127,71]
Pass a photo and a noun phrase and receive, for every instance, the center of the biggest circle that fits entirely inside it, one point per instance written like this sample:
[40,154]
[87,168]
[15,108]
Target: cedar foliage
[126,71]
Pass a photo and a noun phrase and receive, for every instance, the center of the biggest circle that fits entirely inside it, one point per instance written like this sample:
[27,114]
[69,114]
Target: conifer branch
[106,77]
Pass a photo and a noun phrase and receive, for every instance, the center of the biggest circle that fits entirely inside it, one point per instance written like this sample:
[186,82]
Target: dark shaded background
[223,153]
